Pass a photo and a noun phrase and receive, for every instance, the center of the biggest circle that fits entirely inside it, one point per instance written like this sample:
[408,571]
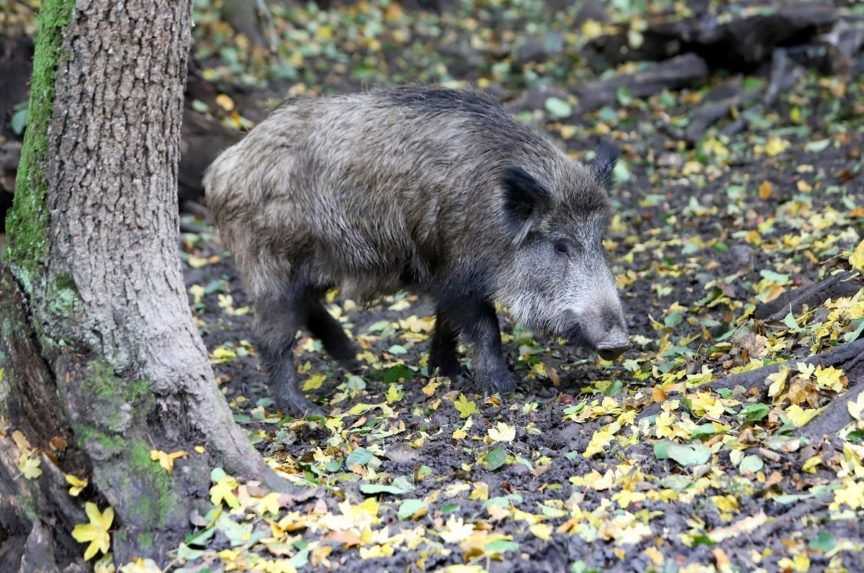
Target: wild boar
[423,188]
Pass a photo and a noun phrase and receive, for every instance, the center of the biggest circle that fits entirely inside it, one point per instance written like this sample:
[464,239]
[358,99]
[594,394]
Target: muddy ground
[695,232]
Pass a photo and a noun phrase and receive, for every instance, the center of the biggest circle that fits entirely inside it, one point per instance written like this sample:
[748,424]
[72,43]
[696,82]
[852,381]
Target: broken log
[838,285]
[739,44]
[675,73]
[849,357]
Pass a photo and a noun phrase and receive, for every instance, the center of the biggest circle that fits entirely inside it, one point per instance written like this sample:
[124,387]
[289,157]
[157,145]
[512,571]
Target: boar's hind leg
[478,323]
[327,329]
[442,352]
[277,321]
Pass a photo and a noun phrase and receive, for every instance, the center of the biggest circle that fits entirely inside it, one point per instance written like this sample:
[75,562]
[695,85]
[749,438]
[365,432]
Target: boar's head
[558,279]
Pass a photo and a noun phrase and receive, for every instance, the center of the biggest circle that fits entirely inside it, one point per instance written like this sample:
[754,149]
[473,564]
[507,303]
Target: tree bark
[99,347]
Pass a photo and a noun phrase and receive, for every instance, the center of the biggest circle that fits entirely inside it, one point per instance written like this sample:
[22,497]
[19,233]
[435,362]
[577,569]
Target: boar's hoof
[351,365]
[502,380]
[298,406]
[445,367]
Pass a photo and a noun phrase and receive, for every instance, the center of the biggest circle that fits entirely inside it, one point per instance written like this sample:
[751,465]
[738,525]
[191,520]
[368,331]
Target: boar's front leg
[278,318]
[478,323]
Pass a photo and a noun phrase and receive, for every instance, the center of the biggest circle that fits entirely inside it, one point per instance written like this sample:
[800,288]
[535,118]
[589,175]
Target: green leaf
[775,278]
[409,507]
[703,430]
[558,108]
[501,546]
[19,120]
[199,106]
[755,412]
[581,567]
[495,458]
[817,146]
[449,507]
[394,374]
[685,455]
[824,542]
[301,558]
[750,464]
[359,457]
[399,486]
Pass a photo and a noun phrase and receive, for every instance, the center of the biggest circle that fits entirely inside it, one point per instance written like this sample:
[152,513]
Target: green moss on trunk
[27,223]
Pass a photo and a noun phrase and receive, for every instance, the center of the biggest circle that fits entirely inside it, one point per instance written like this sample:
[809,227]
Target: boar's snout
[603,331]
[614,344]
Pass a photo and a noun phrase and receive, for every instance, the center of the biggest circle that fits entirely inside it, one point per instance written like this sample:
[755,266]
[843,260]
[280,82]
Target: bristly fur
[367,189]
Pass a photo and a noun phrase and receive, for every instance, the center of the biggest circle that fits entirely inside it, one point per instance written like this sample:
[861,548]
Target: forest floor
[579,470]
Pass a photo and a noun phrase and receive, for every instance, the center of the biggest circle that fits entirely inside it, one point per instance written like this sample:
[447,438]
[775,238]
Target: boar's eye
[564,247]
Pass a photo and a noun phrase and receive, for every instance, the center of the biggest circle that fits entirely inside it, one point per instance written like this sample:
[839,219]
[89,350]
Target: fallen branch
[849,356]
[808,507]
[836,415]
[717,105]
[671,74]
[739,44]
[837,285]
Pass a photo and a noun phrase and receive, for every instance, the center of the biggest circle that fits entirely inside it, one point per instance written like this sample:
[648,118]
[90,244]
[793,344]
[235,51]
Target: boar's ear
[525,200]
[604,163]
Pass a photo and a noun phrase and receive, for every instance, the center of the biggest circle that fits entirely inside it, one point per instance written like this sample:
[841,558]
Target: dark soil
[697,234]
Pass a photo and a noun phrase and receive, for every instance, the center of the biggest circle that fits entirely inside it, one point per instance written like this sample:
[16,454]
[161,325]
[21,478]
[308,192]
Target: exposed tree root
[837,285]
[849,356]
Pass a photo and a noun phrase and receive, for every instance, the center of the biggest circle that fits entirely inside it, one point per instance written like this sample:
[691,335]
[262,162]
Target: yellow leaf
[225,102]
[464,406]
[810,464]
[456,530]
[541,530]
[104,564]
[29,465]
[601,439]
[223,490]
[165,459]
[775,146]
[654,555]
[96,532]
[141,565]
[480,491]
[384,550]
[856,259]
[430,388]
[196,262]
[706,404]
[856,407]
[591,29]
[502,433]
[314,382]
[394,393]
[777,382]
[464,569]
[691,168]
[324,33]
[851,494]
[727,505]
[830,378]
[800,416]
[268,504]
[766,189]
[77,484]
[459,434]
[222,354]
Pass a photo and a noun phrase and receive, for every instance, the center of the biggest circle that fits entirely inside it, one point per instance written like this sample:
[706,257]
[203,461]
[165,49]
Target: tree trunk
[102,359]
